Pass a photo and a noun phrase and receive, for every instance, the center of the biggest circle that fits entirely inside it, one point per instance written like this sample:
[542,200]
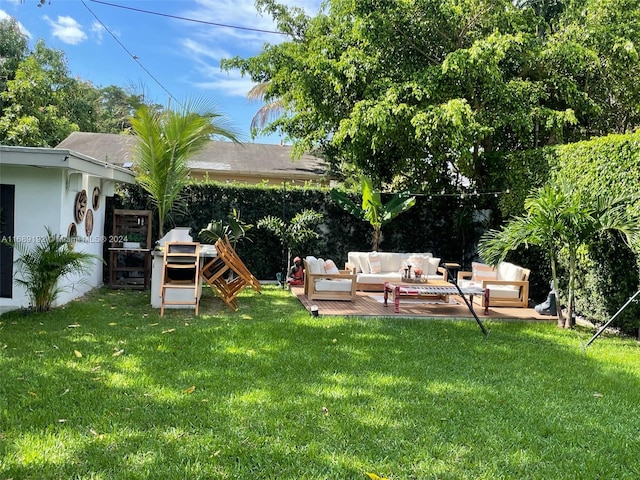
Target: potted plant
[133,240]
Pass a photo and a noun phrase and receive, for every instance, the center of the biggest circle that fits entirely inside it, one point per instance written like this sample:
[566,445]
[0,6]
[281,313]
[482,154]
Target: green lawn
[106,389]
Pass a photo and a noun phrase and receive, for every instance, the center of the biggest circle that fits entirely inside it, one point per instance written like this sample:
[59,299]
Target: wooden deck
[367,304]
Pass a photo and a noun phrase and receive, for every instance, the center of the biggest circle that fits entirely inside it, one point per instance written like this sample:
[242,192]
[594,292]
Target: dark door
[7,203]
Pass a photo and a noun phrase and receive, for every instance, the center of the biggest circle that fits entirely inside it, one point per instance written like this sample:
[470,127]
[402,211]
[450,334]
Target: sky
[162,54]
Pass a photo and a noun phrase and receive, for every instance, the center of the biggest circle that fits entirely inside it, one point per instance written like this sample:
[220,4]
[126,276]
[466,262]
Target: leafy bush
[41,267]
[609,166]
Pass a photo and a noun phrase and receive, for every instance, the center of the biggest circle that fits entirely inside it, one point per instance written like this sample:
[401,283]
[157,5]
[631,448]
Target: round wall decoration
[72,233]
[95,198]
[88,223]
[80,207]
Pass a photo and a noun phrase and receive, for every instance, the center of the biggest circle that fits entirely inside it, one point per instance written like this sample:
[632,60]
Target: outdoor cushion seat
[333,285]
[323,281]
[508,284]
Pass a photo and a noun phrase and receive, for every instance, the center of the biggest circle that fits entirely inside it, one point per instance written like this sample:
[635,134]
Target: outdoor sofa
[373,269]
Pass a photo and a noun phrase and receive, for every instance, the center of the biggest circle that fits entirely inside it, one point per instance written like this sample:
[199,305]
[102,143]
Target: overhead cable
[186,19]
[134,57]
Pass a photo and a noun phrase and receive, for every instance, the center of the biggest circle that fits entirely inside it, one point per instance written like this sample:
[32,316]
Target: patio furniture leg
[396,299]
[386,293]
[485,302]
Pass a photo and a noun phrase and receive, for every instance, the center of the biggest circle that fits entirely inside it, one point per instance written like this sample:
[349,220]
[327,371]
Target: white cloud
[4,15]
[229,84]
[207,44]
[98,31]
[67,30]
[201,52]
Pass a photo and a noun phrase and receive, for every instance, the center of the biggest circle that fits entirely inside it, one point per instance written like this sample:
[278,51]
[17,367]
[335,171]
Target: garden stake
[612,318]
[469,306]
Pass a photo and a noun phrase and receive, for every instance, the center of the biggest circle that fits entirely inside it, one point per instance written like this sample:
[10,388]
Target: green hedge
[607,166]
[448,227]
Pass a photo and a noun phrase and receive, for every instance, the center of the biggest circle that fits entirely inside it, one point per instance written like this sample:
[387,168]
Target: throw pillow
[330,267]
[316,266]
[416,261]
[482,272]
[363,260]
[433,263]
[375,264]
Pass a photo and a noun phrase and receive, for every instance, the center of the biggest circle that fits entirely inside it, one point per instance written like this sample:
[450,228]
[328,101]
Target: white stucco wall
[43,200]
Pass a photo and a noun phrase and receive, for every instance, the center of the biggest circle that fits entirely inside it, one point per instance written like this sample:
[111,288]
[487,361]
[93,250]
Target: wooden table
[439,289]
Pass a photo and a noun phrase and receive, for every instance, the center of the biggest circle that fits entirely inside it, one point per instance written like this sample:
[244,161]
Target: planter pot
[131,245]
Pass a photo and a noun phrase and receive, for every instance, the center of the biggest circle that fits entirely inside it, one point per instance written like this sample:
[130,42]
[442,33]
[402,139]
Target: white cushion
[481,271]
[503,291]
[433,263]
[354,260]
[316,266]
[389,261]
[375,264]
[363,261]
[509,271]
[333,285]
[330,267]
[378,278]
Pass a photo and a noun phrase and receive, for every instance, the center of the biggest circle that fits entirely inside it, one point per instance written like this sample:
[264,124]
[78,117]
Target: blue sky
[180,57]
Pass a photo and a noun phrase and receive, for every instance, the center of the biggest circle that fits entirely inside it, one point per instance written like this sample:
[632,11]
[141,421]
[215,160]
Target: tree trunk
[569,322]
[376,239]
[556,288]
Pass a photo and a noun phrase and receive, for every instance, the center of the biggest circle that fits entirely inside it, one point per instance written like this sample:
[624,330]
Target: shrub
[41,267]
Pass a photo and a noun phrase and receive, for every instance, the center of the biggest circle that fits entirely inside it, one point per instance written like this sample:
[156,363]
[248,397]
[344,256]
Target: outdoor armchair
[323,281]
[508,284]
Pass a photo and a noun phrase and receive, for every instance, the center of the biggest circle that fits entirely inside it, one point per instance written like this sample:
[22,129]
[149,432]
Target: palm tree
[372,210]
[42,266]
[166,141]
[295,234]
[235,229]
[559,218]
[269,111]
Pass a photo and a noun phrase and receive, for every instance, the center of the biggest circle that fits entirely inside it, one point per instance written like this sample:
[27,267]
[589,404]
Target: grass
[106,389]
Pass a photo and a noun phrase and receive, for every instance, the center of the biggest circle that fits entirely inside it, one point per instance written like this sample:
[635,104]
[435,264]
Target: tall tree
[414,89]
[166,141]
[43,104]
[13,49]
[117,108]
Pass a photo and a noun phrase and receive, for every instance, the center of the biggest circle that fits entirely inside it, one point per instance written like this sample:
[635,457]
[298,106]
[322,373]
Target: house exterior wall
[42,199]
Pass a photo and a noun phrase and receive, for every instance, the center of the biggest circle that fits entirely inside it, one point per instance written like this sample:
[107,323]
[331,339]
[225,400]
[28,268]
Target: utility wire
[134,57]
[188,19]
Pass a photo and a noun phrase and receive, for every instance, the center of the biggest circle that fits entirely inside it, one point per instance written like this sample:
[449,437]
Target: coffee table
[437,289]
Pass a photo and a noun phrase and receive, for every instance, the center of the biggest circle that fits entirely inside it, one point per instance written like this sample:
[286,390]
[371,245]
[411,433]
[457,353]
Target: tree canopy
[421,88]
[41,103]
